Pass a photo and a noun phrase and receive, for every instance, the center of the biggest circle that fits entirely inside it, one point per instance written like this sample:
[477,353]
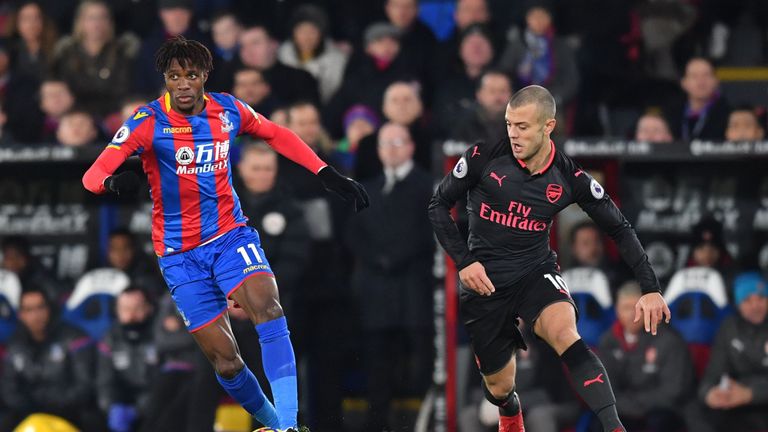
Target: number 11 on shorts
[559,283]
[245,256]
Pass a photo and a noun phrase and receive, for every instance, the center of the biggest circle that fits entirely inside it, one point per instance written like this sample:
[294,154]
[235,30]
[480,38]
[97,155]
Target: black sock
[508,407]
[590,380]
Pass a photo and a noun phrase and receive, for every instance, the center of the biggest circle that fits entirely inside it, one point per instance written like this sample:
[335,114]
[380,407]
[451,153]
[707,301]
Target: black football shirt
[511,211]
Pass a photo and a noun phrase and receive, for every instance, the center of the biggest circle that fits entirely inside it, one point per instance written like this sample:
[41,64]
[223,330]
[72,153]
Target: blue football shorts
[202,279]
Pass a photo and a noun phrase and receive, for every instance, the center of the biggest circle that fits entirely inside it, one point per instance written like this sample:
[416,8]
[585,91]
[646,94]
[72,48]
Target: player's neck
[538,161]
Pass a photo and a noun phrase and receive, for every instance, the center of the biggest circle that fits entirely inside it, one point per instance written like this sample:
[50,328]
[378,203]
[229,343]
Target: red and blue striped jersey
[186,159]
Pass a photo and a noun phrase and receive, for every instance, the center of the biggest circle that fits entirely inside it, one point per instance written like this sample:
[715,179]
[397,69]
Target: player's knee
[562,338]
[228,367]
[501,389]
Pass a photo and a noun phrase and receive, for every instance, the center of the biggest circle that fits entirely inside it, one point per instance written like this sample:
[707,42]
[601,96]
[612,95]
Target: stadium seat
[90,306]
[698,301]
[591,292]
[10,292]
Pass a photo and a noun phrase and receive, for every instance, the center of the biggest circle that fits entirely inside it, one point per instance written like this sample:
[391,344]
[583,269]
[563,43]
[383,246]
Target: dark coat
[655,373]
[714,125]
[49,375]
[393,248]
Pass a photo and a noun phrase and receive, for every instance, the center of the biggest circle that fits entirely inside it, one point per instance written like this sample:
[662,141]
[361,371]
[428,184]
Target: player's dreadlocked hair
[187,52]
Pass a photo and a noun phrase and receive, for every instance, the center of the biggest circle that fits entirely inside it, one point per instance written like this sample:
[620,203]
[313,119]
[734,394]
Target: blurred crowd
[371,86]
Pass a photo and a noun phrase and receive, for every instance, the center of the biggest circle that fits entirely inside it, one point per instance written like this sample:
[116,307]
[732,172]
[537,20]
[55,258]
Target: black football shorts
[491,321]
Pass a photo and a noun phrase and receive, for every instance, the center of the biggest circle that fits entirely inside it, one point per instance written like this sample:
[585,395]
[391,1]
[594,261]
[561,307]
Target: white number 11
[247,259]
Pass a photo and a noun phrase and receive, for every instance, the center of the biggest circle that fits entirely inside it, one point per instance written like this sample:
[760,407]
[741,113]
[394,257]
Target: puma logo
[578,173]
[497,178]
[474,152]
[597,379]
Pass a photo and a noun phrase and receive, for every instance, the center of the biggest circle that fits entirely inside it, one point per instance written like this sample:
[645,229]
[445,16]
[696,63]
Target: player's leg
[499,389]
[258,296]
[556,325]
[218,343]
[203,308]
[243,274]
[492,328]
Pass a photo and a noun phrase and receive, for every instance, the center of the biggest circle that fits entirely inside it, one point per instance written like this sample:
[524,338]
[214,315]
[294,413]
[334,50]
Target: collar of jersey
[549,162]
[167,104]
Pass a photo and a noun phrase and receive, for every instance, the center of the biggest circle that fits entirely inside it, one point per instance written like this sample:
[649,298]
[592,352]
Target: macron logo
[497,178]
[597,379]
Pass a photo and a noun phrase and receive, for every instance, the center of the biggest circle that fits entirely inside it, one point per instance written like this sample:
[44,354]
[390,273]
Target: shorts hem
[242,282]
[511,356]
[206,324]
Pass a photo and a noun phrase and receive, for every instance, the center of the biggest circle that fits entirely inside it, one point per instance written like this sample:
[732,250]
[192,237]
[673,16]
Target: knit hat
[747,284]
[360,111]
[380,30]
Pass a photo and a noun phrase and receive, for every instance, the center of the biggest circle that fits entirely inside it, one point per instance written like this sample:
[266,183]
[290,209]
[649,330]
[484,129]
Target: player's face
[186,87]
[528,133]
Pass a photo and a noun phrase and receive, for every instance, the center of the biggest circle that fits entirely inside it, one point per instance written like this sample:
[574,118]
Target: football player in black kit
[514,189]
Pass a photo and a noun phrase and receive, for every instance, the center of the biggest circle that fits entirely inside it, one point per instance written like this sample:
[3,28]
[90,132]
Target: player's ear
[205,77]
[549,125]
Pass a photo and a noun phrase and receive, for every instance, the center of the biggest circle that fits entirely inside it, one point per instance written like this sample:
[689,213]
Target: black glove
[345,187]
[126,182]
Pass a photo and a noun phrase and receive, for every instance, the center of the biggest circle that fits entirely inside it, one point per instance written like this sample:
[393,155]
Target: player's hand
[347,188]
[652,308]
[473,277]
[125,183]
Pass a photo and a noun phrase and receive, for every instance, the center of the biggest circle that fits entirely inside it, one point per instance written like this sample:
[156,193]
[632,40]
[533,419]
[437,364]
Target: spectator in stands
[369,73]
[703,114]
[77,128]
[47,368]
[735,384]
[56,99]
[278,218]
[387,269]
[652,376]
[128,107]
[402,105]
[457,86]
[5,69]
[708,247]
[5,137]
[653,128]
[176,17]
[744,125]
[484,121]
[123,254]
[31,38]
[359,122]
[536,55]
[466,14]
[418,43]
[128,362]
[586,242]
[259,50]
[96,63]
[251,87]
[177,353]
[18,259]
[226,30]
[310,48]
